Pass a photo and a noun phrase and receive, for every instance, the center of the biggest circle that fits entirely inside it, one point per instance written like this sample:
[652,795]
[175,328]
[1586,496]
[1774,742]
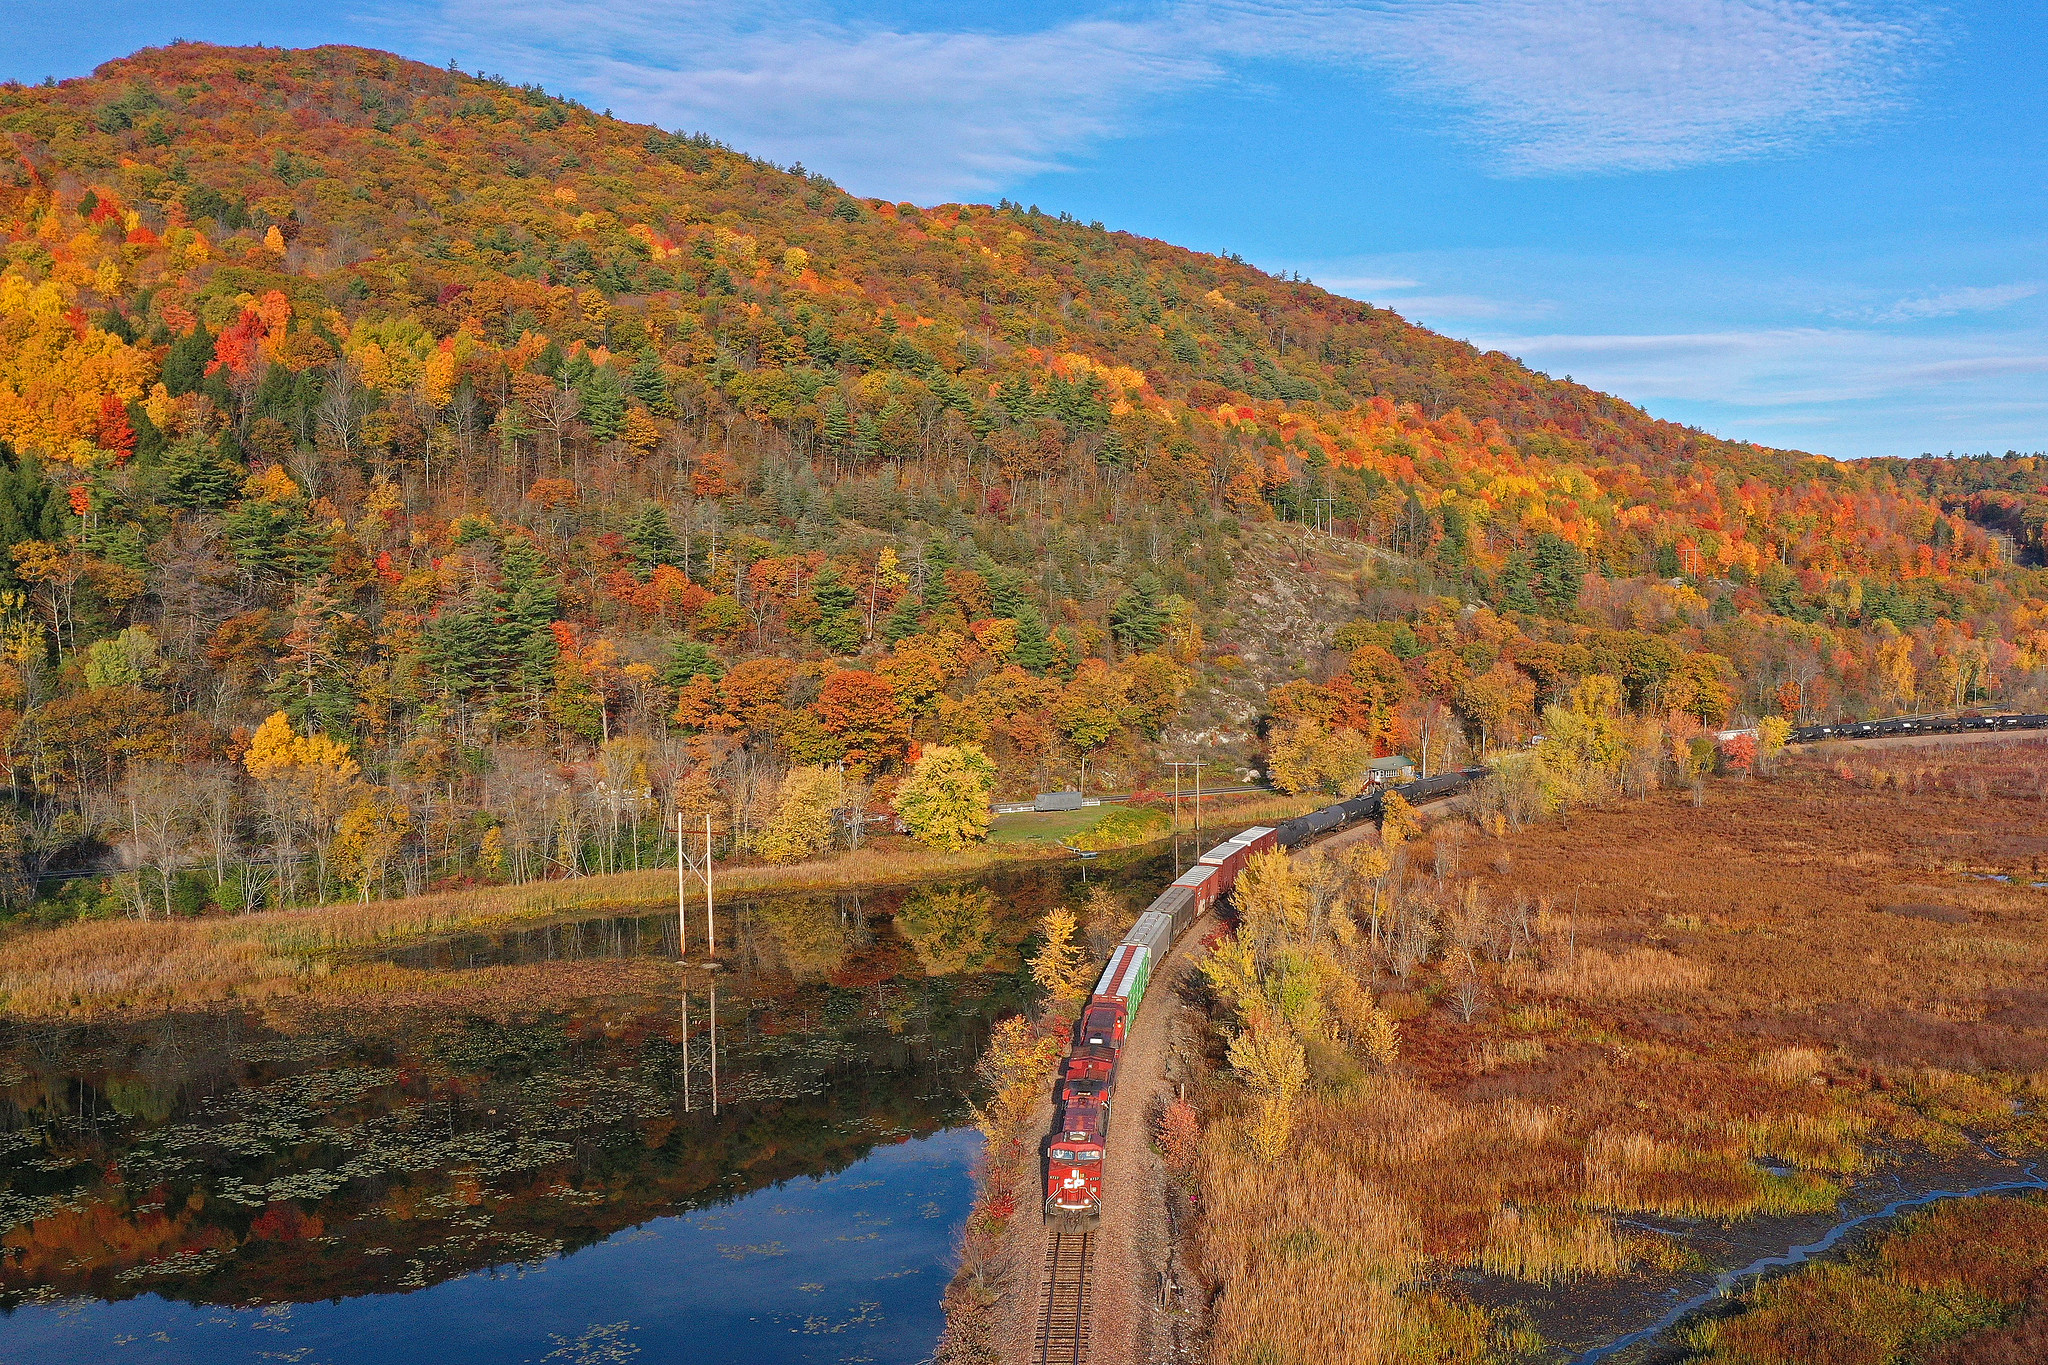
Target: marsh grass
[1712,1013]
[1597,975]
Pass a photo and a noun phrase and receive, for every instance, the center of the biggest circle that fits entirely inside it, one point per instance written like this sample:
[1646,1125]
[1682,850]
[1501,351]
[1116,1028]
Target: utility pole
[683,858]
[1177,765]
[1176,821]
[682,909]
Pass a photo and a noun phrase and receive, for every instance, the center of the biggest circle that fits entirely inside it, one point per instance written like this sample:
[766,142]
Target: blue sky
[1812,223]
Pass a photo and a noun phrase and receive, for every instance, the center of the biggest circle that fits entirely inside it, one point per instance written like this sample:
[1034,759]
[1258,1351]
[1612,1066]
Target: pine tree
[838,625]
[1137,619]
[194,475]
[652,538]
[1005,594]
[1560,572]
[902,622]
[691,659]
[1034,650]
[463,646]
[603,404]
[532,598]
[938,557]
[648,382]
[838,427]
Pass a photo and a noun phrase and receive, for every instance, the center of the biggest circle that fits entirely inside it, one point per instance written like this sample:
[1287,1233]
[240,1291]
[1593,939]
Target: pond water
[856,1261]
[533,1178]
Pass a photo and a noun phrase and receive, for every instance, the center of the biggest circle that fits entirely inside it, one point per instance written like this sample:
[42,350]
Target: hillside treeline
[413,478]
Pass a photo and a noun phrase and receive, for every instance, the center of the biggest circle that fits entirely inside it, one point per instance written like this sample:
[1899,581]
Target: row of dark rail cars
[1917,725]
[1073,1181]
[1367,805]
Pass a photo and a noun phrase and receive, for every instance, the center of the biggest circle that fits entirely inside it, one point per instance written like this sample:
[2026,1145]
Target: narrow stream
[1730,1281]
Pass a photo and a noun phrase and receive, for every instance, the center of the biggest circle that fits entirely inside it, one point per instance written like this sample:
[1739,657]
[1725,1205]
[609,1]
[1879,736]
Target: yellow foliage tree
[1398,821]
[1013,1069]
[1275,1069]
[307,780]
[802,823]
[1369,1029]
[1056,967]
[1772,733]
[1272,901]
[1233,972]
[945,798]
[1308,756]
[55,378]
[371,833]
[1372,863]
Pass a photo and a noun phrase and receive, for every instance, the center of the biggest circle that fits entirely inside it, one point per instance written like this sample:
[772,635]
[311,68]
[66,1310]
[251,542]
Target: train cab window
[1062,1154]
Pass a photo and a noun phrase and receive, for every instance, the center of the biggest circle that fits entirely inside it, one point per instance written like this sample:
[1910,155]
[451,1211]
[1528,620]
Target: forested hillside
[412,477]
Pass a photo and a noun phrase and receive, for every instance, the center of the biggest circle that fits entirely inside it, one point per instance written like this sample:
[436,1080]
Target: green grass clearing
[1049,826]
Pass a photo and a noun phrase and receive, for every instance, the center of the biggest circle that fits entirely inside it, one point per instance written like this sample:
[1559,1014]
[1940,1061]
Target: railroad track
[1063,1313]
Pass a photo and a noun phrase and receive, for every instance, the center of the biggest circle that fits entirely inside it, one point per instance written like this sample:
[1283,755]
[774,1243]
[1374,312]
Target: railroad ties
[1063,1314]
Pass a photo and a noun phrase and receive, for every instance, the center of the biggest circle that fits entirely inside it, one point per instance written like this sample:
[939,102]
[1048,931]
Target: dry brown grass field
[1645,1011]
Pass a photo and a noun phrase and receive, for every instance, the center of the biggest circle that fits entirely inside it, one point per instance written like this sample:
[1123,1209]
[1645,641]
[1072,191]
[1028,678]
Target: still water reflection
[843,1267]
[524,1179]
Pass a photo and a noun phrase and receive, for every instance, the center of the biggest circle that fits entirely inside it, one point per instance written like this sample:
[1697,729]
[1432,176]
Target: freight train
[1088,1076]
[1073,1182]
[1917,725]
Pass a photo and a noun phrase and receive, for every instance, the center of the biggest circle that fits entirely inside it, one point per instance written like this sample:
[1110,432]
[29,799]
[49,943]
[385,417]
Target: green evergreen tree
[838,626]
[837,427]
[195,475]
[1560,572]
[652,538]
[185,364]
[648,382]
[462,645]
[691,659]
[902,622]
[1513,592]
[30,509]
[532,599]
[938,557]
[1137,620]
[603,407]
[1034,648]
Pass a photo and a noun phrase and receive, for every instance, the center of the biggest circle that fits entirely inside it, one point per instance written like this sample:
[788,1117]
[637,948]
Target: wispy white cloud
[1367,287]
[1547,86]
[1445,308]
[1777,367]
[1949,302]
[1573,86]
[919,114]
